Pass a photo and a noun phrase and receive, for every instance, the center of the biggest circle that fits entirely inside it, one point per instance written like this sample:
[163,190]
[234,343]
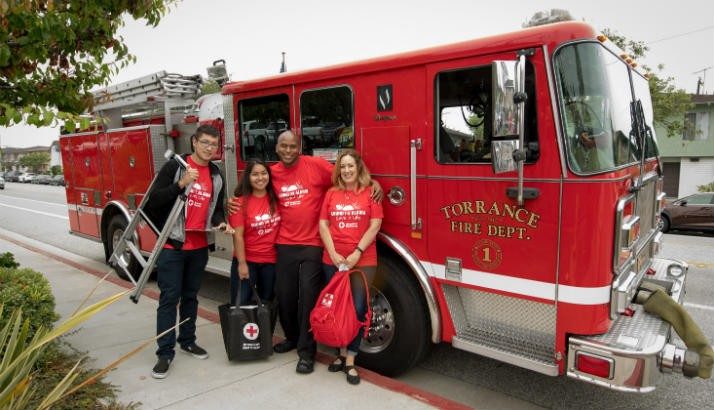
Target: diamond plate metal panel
[517,326]
[159,146]
[641,332]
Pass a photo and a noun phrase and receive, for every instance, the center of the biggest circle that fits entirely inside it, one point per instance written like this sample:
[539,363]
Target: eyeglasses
[208,145]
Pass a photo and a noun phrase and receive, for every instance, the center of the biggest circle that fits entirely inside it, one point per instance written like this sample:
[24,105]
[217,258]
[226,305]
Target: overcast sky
[250,36]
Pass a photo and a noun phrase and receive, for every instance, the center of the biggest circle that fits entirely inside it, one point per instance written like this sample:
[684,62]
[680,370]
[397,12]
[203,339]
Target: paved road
[461,376]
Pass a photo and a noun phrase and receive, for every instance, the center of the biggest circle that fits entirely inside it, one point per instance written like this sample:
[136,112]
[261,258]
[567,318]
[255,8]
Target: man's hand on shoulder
[232,205]
[377,193]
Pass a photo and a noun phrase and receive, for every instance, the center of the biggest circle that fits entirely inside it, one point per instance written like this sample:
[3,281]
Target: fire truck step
[507,349]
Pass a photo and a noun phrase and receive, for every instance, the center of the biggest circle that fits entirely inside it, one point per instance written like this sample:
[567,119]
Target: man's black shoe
[195,350]
[305,366]
[161,368]
[284,346]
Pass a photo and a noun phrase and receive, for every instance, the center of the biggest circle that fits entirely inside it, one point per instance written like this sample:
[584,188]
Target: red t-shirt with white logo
[260,228]
[300,189]
[349,214]
[197,204]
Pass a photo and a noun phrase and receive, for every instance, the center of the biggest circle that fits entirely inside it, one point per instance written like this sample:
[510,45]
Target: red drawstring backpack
[333,321]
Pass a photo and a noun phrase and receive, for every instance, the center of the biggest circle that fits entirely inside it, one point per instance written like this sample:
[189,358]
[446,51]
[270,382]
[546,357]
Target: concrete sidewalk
[214,383]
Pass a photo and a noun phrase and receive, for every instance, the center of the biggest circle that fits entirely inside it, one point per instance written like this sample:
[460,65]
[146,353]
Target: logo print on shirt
[291,195]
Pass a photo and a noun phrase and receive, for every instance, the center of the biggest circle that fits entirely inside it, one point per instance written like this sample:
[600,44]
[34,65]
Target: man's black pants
[298,282]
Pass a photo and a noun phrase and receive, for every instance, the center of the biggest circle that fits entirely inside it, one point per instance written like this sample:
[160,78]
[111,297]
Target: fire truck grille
[503,324]
[646,202]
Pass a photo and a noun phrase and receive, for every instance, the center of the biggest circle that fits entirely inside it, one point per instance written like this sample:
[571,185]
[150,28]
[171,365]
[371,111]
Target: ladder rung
[137,254]
[148,222]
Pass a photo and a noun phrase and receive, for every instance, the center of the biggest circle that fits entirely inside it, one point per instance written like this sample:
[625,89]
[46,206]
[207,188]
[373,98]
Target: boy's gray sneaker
[161,368]
[195,350]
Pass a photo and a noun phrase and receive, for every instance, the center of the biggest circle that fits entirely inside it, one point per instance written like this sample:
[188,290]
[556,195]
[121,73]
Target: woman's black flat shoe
[338,365]
[351,379]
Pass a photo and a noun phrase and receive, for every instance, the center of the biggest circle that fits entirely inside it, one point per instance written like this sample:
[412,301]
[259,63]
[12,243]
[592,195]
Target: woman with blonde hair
[349,222]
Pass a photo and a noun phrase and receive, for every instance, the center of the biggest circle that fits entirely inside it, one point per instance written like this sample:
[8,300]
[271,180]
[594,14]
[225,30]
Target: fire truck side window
[326,118]
[261,121]
[463,130]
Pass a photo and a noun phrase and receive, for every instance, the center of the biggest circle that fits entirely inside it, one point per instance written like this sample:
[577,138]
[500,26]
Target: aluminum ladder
[126,246]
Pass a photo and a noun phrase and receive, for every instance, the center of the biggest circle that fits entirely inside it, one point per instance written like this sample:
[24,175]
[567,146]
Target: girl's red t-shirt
[349,214]
[260,228]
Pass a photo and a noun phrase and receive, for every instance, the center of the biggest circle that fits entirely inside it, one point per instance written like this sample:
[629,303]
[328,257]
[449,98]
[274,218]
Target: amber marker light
[602,38]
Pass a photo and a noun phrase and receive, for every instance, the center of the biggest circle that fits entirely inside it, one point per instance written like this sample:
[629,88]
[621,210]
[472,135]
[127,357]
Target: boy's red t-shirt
[260,228]
[197,203]
[349,214]
[300,189]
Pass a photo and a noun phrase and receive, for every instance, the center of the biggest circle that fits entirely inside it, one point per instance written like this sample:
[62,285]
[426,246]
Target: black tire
[400,333]
[115,229]
[664,223]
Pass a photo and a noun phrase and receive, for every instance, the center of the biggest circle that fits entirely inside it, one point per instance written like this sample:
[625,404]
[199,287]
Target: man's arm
[164,191]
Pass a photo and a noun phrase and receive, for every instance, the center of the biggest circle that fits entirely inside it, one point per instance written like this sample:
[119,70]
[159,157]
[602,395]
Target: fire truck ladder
[126,247]
[156,93]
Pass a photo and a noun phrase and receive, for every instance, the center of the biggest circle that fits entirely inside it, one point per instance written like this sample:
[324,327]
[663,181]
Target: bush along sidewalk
[37,370]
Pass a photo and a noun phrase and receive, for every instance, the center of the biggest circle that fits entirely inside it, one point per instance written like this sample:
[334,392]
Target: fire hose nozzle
[675,359]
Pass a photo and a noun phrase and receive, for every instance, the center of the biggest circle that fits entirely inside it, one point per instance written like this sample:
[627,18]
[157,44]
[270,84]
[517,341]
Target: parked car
[42,179]
[12,176]
[26,177]
[693,212]
[57,180]
[2,183]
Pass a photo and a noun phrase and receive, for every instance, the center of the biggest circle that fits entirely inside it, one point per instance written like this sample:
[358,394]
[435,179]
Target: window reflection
[261,122]
[326,121]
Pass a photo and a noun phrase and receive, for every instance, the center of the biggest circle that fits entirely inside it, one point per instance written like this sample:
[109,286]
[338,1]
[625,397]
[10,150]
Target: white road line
[698,306]
[37,212]
[35,200]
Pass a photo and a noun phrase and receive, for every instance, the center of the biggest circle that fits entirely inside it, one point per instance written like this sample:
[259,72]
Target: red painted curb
[367,375]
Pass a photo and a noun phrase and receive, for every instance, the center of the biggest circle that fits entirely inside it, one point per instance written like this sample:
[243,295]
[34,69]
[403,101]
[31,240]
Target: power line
[681,35]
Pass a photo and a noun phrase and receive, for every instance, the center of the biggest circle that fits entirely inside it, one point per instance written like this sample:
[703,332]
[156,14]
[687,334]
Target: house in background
[689,158]
[11,158]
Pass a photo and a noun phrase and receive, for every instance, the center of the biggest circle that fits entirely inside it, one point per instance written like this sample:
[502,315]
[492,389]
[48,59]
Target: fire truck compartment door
[87,182]
[387,153]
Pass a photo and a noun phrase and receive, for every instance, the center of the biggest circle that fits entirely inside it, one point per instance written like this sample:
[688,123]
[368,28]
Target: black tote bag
[247,333]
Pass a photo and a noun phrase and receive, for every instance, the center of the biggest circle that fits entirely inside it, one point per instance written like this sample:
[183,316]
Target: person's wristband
[357,248]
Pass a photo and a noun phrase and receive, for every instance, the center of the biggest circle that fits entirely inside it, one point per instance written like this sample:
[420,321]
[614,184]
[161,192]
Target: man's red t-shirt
[260,228]
[199,199]
[349,214]
[300,189]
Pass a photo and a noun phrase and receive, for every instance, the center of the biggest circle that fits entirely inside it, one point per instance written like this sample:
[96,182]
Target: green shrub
[30,291]
[7,260]
[706,188]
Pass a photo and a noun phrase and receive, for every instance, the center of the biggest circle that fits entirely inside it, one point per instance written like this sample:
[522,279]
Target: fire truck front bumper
[636,351]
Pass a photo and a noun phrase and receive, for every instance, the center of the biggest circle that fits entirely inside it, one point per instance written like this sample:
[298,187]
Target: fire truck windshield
[595,102]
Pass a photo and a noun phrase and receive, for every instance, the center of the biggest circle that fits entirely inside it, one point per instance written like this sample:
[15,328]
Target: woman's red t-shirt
[349,214]
[260,228]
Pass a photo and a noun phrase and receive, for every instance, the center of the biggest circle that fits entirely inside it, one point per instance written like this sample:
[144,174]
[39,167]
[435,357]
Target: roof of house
[702,98]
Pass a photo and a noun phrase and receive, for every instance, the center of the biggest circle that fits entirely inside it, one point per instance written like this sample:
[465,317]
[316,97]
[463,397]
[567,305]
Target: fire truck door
[393,157]
[86,190]
[479,236]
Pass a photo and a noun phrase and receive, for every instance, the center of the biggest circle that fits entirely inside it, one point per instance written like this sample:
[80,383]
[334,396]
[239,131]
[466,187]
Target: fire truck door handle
[528,193]
[414,145]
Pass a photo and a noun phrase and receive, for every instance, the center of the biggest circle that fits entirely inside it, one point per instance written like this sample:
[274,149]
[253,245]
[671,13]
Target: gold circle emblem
[487,254]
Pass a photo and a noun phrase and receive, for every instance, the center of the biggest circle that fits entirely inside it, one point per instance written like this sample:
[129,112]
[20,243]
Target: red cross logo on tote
[251,331]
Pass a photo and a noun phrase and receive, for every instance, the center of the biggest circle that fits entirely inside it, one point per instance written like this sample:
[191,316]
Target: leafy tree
[56,170]
[669,102]
[35,160]
[53,52]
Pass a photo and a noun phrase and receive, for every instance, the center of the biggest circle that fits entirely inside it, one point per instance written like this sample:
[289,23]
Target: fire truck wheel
[115,230]
[399,335]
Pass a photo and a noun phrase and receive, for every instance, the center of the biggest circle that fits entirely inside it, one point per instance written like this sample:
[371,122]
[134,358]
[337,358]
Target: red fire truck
[522,192]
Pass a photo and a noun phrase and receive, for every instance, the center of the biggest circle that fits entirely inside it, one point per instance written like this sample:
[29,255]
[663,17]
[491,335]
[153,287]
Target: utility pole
[702,81]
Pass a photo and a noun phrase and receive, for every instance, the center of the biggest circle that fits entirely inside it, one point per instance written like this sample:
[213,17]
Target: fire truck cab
[522,194]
